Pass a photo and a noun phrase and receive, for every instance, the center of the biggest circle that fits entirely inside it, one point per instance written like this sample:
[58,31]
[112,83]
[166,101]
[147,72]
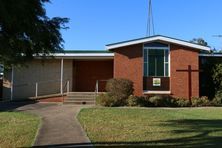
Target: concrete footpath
[60,127]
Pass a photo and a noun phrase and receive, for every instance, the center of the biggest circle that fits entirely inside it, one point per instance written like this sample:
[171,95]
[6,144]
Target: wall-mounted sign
[156,82]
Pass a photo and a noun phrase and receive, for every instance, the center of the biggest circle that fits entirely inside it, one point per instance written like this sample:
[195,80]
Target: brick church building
[156,65]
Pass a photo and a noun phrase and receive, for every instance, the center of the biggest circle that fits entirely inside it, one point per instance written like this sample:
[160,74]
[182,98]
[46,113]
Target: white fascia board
[130,43]
[83,54]
[159,38]
[78,56]
[196,46]
[210,55]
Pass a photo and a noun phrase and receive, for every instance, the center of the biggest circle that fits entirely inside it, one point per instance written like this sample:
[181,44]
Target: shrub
[108,100]
[119,90]
[104,100]
[162,101]
[181,102]
[142,101]
[156,100]
[198,102]
[217,101]
[132,101]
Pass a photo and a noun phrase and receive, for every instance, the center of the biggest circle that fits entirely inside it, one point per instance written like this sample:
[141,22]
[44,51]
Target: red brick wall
[180,58]
[128,63]
[87,72]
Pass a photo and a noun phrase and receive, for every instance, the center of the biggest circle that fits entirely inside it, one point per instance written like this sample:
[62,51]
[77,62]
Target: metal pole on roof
[150,21]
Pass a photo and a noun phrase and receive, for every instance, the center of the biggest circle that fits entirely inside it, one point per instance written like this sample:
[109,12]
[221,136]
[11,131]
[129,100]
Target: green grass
[17,129]
[153,127]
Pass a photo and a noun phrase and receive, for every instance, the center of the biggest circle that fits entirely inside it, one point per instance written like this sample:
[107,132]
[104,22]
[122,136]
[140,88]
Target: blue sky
[95,23]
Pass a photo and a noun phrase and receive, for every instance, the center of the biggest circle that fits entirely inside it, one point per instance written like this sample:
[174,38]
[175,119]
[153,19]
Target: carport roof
[81,54]
[85,51]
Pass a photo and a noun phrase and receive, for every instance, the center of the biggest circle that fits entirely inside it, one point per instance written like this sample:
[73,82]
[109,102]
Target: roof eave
[78,56]
[158,38]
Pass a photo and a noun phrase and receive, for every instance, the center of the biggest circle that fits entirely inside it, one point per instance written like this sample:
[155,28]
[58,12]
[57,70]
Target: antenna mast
[150,22]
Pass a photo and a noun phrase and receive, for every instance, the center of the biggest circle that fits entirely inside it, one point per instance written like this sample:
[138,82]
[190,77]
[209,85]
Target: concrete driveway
[59,128]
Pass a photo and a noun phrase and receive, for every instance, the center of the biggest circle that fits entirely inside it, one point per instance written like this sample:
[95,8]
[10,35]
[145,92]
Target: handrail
[57,80]
[97,85]
[26,84]
[66,86]
[36,84]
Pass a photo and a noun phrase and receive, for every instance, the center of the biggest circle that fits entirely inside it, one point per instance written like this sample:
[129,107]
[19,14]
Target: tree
[25,30]
[217,76]
[199,41]
[220,51]
[1,70]
[217,79]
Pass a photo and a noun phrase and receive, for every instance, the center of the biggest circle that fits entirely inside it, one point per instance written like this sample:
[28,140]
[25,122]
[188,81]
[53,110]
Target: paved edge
[82,129]
[37,132]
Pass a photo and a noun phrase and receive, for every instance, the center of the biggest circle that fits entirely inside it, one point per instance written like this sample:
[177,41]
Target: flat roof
[82,54]
[211,55]
[157,38]
[85,51]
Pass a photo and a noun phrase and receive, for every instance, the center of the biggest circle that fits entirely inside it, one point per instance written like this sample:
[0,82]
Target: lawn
[17,129]
[153,127]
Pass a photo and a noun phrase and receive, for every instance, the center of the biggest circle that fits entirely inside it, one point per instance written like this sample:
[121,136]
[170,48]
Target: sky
[96,23]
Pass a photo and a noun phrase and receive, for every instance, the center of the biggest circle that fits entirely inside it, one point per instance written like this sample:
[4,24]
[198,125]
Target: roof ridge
[157,38]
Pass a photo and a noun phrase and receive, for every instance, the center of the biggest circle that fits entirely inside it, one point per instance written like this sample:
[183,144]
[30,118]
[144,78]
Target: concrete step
[81,96]
[81,93]
[79,102]
[80,99]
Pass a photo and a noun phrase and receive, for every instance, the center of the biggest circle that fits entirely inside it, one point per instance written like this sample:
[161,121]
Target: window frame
[157,48]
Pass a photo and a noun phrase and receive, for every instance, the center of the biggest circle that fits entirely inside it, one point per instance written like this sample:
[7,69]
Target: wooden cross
[189,71]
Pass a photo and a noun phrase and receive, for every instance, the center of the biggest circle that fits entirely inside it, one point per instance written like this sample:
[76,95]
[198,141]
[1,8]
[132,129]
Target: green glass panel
[145,69]
[151,65]
[159,65]
[156,62]
[155,44]
[166,55]
[145,55]
[156,52]
[166,70]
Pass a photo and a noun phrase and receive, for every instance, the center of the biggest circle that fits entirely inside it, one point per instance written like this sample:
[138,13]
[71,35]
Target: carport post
[36,90]
[61,83]
[12,82]
[97,86]
[67,86]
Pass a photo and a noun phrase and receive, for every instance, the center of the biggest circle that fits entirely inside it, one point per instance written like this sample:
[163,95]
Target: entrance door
[88,72]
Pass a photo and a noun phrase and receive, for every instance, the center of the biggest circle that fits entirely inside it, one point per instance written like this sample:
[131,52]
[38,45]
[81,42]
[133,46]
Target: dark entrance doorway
[86,73]
[1,88]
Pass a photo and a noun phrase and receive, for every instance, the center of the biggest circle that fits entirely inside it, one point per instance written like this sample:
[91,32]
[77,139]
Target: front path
[60,126]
